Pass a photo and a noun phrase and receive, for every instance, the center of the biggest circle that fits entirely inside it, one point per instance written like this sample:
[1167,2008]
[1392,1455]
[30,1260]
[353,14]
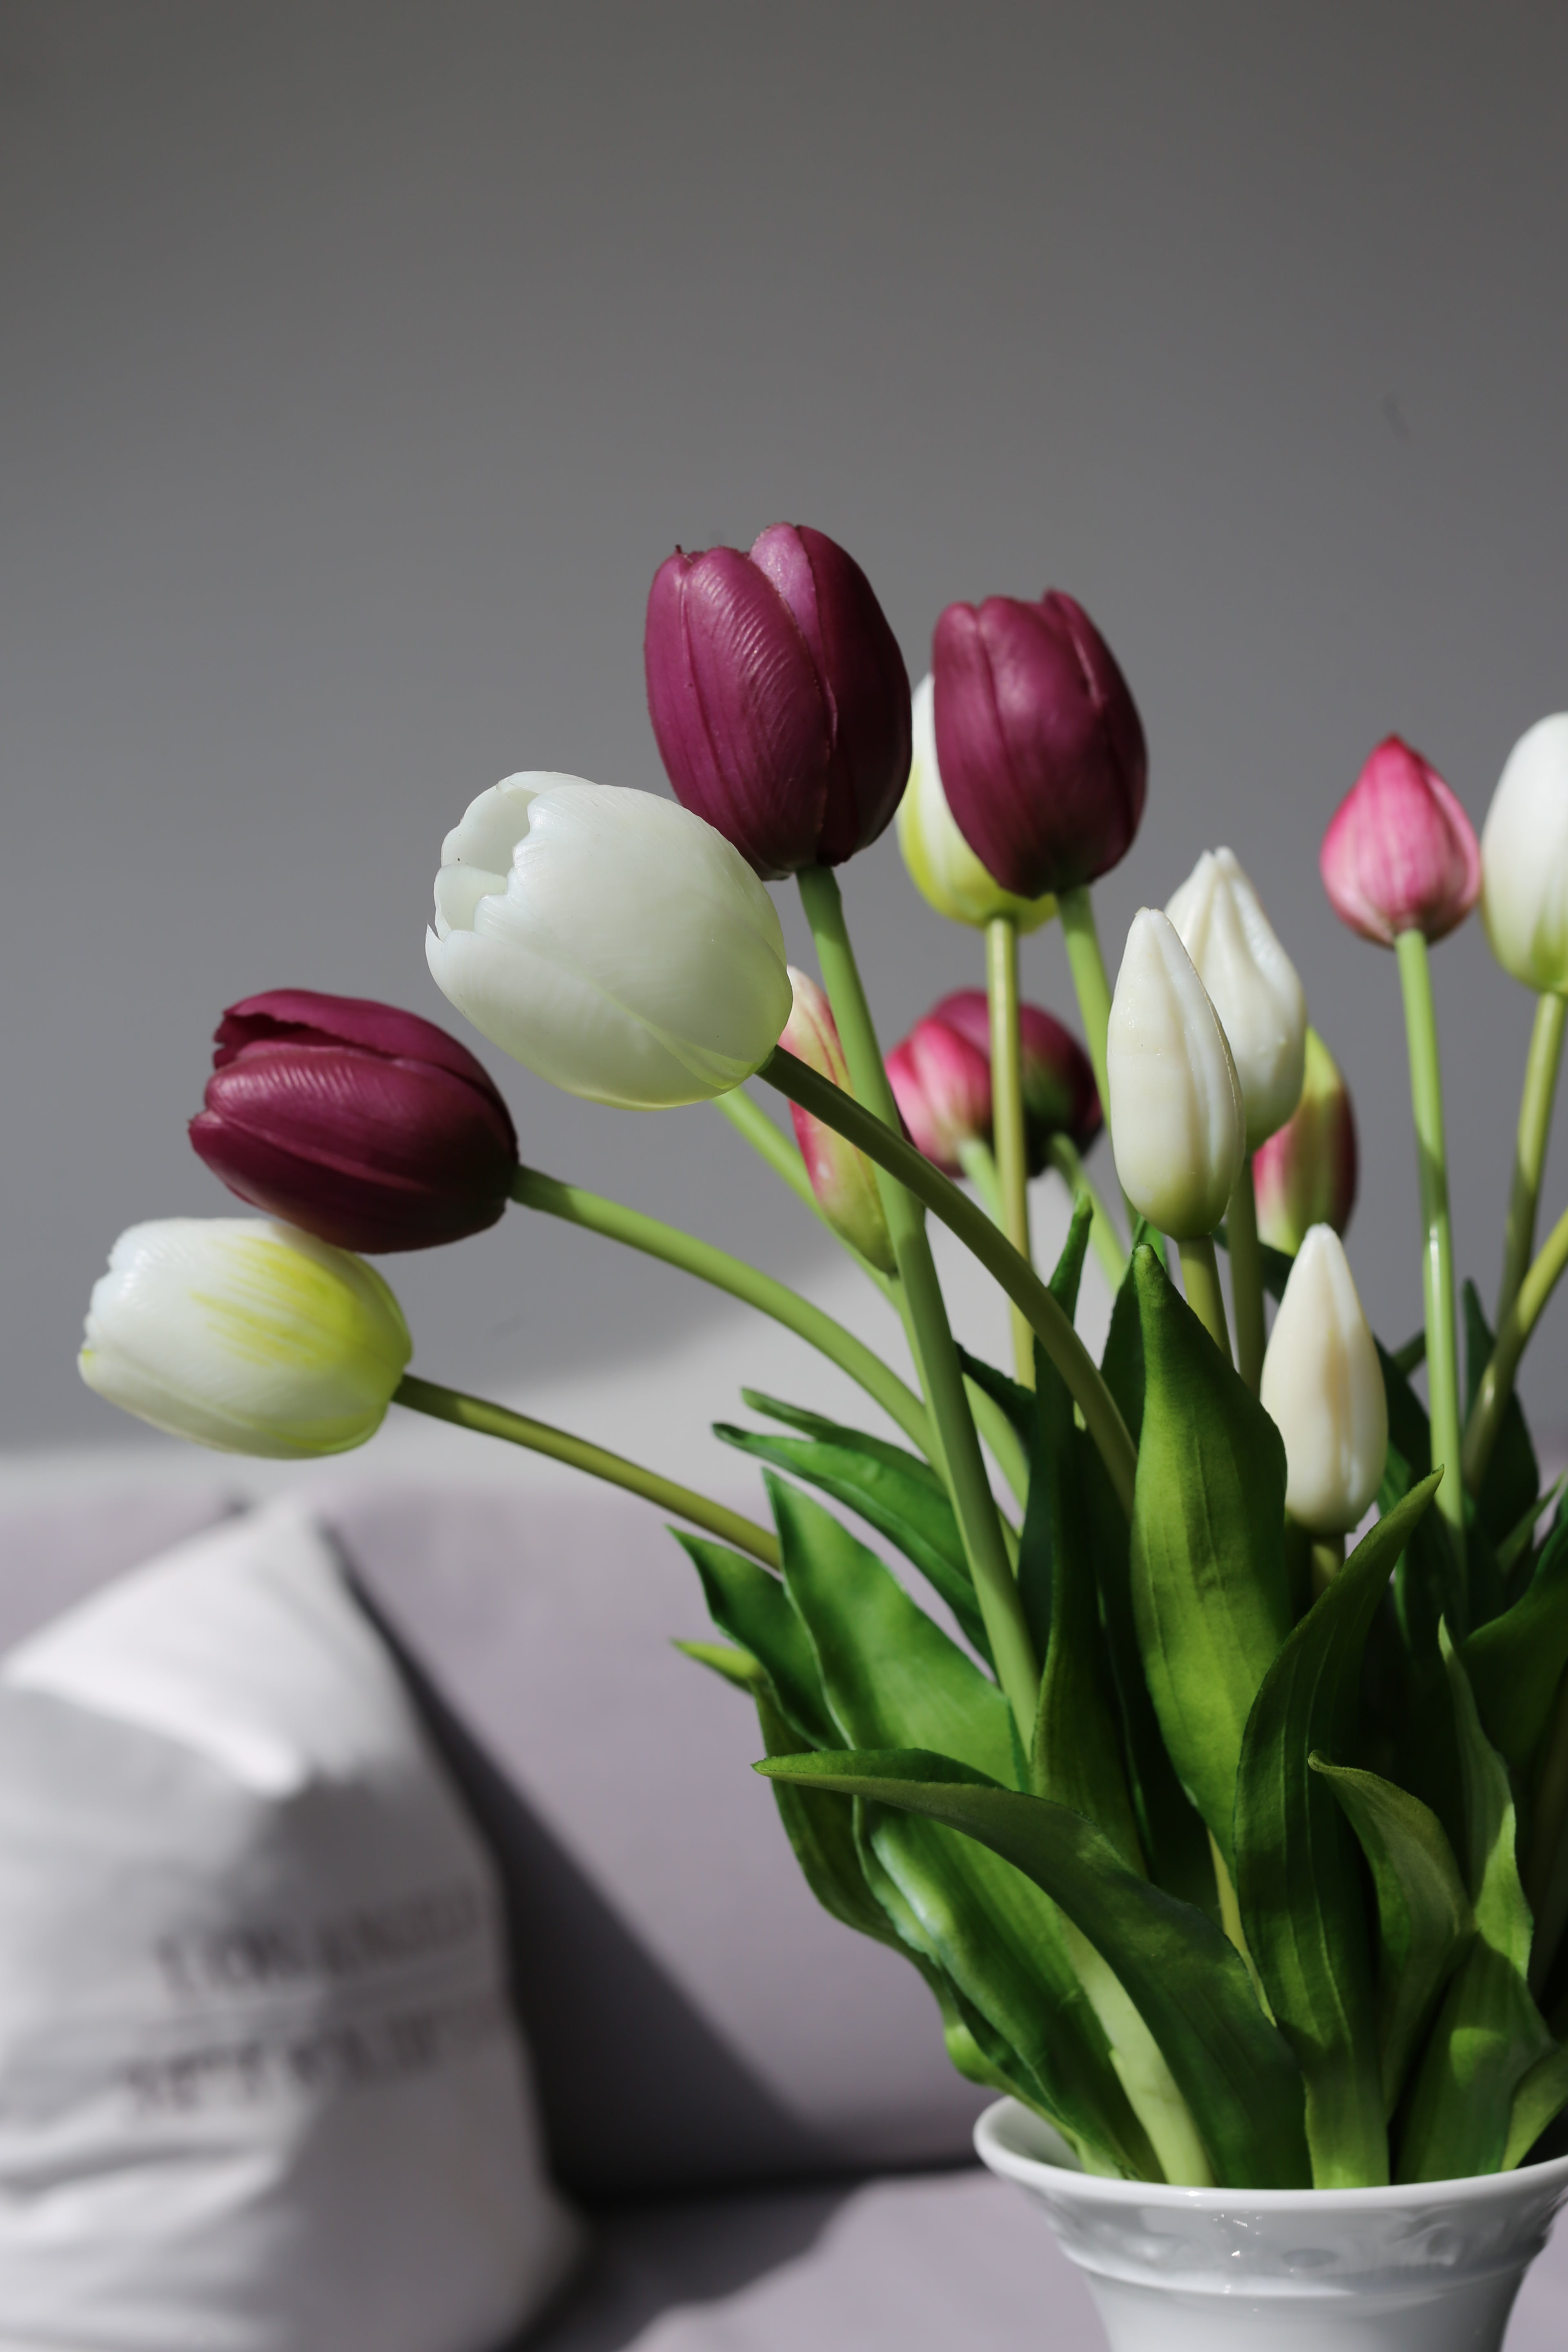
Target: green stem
[1437,1262]
[1200,1277]
[656,1239]
[769,1142]
[1328,1559]
[1246,1277]
[961,1215]
[495,1421]
[1007,1111]
[941,1374]
[1497,1381]
[1530,1145]
[1068,1161]
[978,1162]
[1077,910]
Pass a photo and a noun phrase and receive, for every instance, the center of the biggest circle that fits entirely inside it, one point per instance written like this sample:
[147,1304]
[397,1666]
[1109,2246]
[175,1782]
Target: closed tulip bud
[244,1335]
[1323,1386]
[941,1084]
[1400,854]
[1060,1094]
[842,1179]
[1524,859]
[779,698]
[1178,1124]
[1305,1174]
[610,940]
[942,865]
[1042,751]
[367,1126]
[1252,985]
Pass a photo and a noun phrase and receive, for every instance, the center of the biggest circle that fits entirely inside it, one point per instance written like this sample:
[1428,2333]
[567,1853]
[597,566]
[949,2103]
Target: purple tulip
[1038,739]
[779,698]
[1060,1094]
[365,1126]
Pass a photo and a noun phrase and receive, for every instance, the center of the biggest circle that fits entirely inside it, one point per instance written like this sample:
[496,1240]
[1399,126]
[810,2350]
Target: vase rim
[1000,2136]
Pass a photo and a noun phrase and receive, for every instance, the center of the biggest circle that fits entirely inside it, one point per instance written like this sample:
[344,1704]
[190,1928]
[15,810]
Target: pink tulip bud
[1306,1172]
[1400,854]
[941,1084]
[1060,1094]
[779,698]
[365,1126]
[1038,740]
[843,1179]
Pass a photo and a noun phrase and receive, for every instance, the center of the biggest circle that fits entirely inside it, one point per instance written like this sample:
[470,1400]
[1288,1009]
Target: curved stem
[1068,1161]
[979,1236]
[1008,1112]
[1437,1262]
[656,1239]
[941,1374]
[1090,981]
[539,1437]
[1530,1146]
[1497,1381]
[1200,1274]
[1246,1277]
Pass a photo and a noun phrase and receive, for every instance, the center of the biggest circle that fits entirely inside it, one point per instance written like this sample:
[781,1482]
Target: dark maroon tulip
[366,1126]
[779,698]
[1060,1094]
[1038,740]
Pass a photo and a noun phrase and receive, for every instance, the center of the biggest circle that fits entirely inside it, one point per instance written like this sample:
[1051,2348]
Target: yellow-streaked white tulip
[1524,859]
[610,940]
[1252,984]
[245,1335]
[1323,1386]
[1177,1124]
[942,865]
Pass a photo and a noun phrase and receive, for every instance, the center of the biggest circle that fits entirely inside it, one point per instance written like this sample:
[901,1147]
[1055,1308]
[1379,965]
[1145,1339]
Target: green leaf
[1514,1476]
[894,1492]
[1516,1662]
[1430,1583]
[1520,1535]
[820,1827]
[1297,1879]
[1209,1591]
[1015,1400]
[1191,1988]
[1541,2096]
[754,1608]
[735,1666]
[1489,2035]
[1425,1921]
[1042,1432]
[893,1678]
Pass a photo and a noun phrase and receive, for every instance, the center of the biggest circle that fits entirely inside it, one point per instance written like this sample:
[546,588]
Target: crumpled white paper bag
[259,2087]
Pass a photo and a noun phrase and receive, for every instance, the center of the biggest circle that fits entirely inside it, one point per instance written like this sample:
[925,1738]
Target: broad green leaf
[1520,1535]
[1514,1476]
[1539,2101]
[1189,1986]
[1488,2032]
[894,1492]
[1429,1583]
[1516,1662]
[735,1666]
[893,1678]
[1297,1878]
[754,1608]
[1209,1591]
[1035,1566]
[1013,1399]
[1423,1915]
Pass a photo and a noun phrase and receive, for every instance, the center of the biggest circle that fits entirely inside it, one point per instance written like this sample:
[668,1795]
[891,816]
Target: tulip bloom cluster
[1157,1695]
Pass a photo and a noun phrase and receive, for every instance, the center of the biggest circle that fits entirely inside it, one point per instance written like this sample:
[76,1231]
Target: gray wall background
[363,359]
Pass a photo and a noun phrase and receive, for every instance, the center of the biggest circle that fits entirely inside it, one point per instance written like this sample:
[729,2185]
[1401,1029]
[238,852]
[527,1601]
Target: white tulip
[1177,1125]
[1323,1386]
[610,941]
[1524,859]
[245,1335]
[942,865]
[1252,985]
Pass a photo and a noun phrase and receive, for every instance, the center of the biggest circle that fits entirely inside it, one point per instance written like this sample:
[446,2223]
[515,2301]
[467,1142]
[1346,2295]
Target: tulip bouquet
[1240,1860]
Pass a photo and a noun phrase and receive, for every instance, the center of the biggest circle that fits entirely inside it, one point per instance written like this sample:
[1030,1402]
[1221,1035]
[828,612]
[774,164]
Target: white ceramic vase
[1427,2269]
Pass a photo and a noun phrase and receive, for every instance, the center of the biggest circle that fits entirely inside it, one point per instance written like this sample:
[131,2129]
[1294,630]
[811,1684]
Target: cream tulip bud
[244,1335]
[1177,1122]
[610,940]
[942,865]
[1252,985]
[1524,859]
[1322,1387]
